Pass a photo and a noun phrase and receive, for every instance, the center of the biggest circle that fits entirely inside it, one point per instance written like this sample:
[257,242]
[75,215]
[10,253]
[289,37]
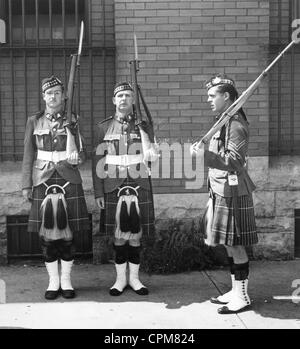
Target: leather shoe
[68,294]
[226,310]
[143,291]
[51,295]
[216,301]
[115,292]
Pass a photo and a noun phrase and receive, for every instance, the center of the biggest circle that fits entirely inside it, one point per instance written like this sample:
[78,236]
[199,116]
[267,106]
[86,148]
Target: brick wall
[181,43]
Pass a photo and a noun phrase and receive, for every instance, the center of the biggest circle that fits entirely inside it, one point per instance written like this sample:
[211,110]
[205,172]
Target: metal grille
[284,81]
[22,244]
[40,37]
[297,233]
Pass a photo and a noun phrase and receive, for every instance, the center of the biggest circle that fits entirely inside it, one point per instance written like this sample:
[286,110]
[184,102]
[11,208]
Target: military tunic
[227,155]
[118,162]
[44,161]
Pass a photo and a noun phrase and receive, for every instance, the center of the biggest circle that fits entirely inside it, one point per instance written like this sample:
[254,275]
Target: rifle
[146,128]
[70,125]
[134,68]
[237,104]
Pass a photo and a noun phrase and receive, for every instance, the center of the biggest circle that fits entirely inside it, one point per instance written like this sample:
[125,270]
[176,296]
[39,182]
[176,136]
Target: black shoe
[225,310]
[216,301]
[68,294]
[143,291]
[51,295]
[115,292]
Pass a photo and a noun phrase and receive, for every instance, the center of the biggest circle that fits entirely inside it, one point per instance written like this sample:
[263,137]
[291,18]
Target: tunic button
[54,129]
[55,140]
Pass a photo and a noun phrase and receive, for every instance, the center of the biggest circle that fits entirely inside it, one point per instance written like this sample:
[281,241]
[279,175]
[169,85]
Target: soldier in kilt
[52,183]
[229,217]
[122,187]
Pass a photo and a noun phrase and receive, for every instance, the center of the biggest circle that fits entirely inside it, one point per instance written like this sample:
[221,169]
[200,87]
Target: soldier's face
[123,101]
[218,101]
[53,97]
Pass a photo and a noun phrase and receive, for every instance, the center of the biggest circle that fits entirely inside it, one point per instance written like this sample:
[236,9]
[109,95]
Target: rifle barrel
[80,42]
[236,105]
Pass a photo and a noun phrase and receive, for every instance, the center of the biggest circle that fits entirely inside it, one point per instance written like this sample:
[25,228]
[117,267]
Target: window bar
[76,21]
[24,59]
[91,74]
[37,28]
[77,90]
[51,35]
[104,55]
[2,8]
[30,240]
[63,14]
[279,138]
[1,135]
[12,81]
[17,237]
[292,102]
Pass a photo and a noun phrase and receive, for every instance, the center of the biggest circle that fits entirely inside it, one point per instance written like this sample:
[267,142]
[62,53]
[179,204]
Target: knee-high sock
[241,271]
[121,254]
[134,254]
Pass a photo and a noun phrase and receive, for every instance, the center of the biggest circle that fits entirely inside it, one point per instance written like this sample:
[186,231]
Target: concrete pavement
[175,301]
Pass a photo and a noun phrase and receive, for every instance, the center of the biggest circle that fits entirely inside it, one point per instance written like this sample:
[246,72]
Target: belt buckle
[55,157]
[124,161]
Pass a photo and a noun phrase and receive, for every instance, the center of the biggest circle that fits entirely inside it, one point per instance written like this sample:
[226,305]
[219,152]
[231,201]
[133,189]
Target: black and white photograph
[150,167]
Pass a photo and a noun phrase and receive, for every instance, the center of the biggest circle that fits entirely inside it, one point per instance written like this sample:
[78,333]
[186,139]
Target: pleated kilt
[76,205]
[108,215]
[223,226]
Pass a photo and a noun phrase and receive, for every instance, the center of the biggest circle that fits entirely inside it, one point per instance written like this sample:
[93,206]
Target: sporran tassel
[61,215]
[48,215]
[134,218]
[124,218]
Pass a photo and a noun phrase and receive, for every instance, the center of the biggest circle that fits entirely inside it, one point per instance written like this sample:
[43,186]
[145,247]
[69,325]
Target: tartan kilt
[223,227]
[108,214]
[76,205]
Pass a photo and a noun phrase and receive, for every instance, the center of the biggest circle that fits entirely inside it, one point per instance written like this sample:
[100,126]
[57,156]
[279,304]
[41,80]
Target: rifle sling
[147,111]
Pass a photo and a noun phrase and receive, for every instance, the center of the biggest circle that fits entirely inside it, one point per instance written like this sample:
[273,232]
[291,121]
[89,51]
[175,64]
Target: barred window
[43,21]
[284,80]
[40,37]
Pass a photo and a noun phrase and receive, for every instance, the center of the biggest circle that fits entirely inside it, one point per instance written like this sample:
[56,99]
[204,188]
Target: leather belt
[124,160]
[54,156]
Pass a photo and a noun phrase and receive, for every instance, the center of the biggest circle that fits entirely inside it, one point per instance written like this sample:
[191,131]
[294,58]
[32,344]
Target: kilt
[223,227]
[108,215]
[76,206]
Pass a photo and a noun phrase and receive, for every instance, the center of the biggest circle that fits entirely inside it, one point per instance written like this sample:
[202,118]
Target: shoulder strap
[38,114]
[105,120]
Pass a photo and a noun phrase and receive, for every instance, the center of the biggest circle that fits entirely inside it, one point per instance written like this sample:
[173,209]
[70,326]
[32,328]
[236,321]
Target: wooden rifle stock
[236,105]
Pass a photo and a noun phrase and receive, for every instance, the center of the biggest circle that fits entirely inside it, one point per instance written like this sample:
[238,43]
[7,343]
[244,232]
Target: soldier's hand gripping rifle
[146,127]
[236,105]
[71,126]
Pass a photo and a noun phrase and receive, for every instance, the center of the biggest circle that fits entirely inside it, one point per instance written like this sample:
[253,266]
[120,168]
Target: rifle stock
[237,105]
